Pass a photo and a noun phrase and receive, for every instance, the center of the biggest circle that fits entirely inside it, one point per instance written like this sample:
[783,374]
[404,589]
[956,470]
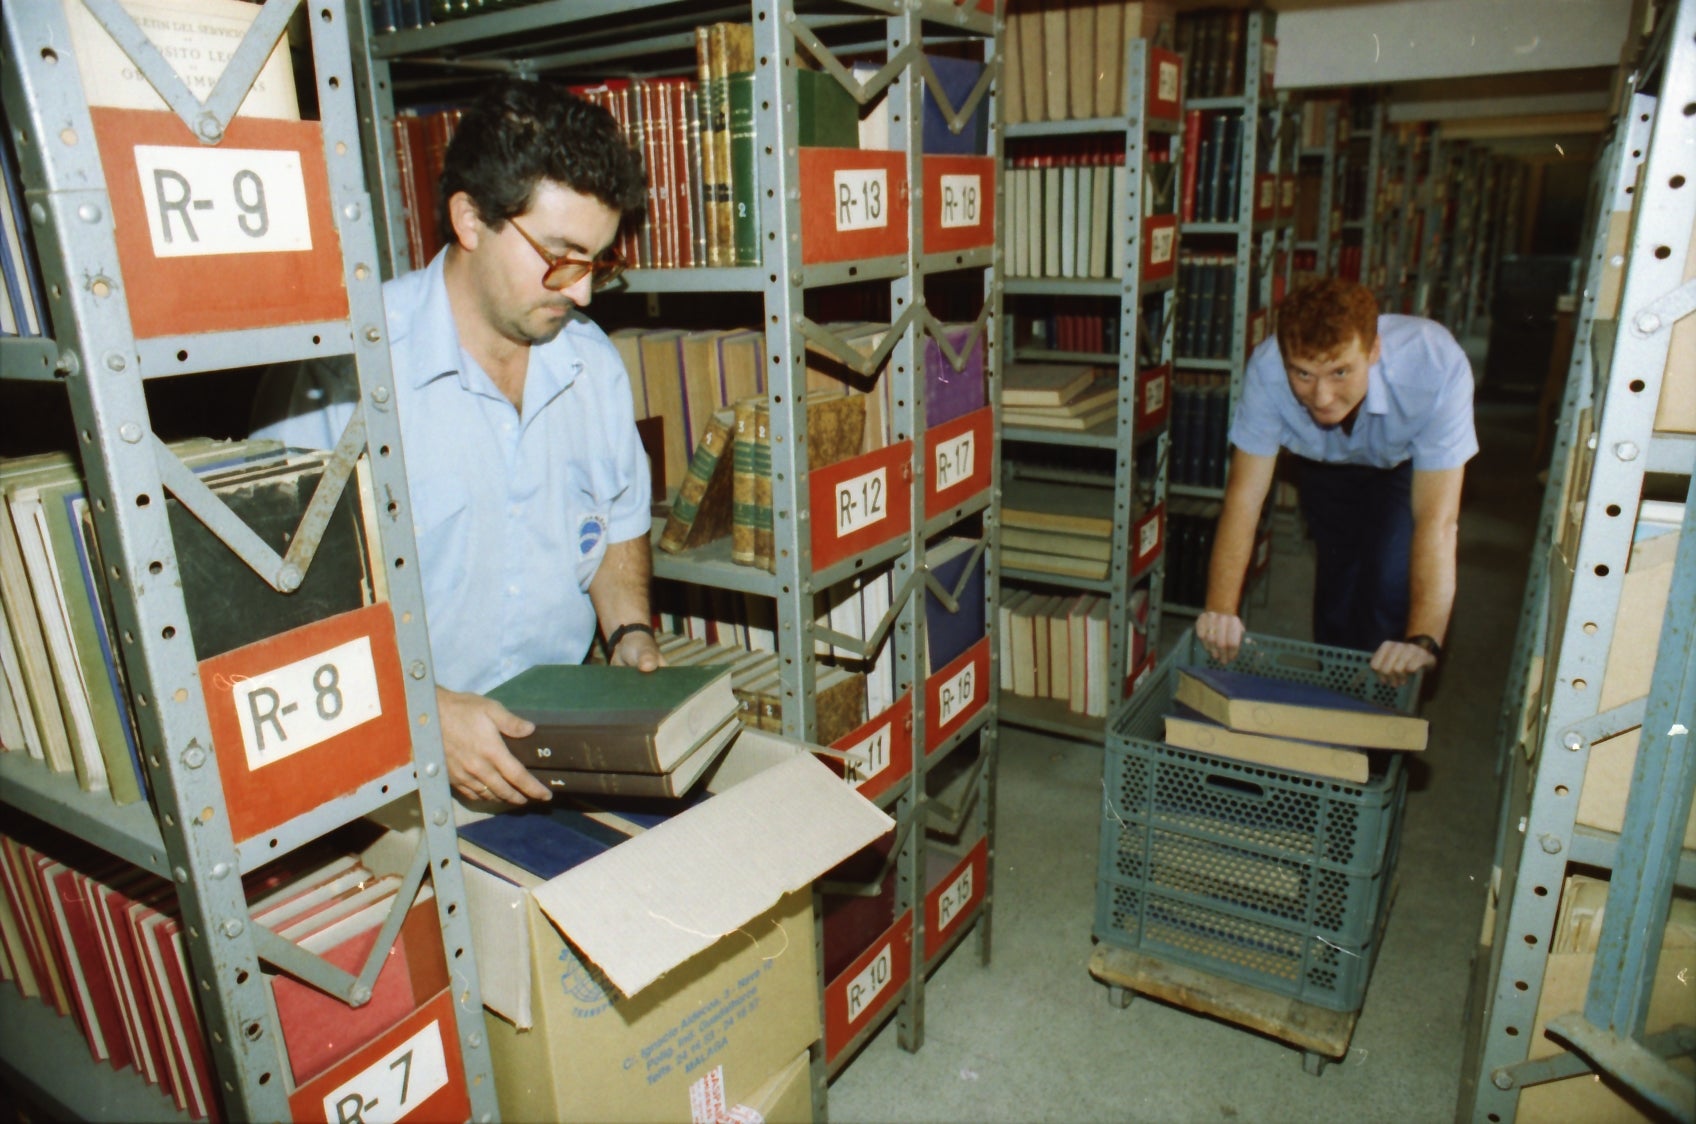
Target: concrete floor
[1031,1035]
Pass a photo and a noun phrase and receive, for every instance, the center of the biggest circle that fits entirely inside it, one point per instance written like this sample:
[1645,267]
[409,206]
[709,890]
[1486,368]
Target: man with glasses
[529,486]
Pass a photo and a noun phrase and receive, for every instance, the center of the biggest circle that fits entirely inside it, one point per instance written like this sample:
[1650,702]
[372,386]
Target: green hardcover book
[703,512]
[677,782]
[599,718]
[744,507]
[744,172]
[826,113]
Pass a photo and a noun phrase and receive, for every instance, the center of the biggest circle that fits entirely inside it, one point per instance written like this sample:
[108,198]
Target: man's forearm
[1233,541]
[619,590]
[1431,579]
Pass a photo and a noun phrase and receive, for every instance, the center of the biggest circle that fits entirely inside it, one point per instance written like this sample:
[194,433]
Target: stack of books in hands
[1302,727]
[1061,396]
[619,731]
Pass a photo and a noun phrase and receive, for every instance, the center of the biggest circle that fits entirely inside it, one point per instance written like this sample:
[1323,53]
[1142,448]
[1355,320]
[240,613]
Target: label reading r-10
[870,983]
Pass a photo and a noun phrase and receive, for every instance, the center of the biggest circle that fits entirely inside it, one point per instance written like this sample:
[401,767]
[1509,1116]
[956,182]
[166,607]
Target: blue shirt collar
[1377,400]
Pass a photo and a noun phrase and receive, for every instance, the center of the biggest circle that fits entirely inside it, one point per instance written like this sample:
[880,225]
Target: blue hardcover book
[1260,705]
[957,565]
[958,78]
[545,841]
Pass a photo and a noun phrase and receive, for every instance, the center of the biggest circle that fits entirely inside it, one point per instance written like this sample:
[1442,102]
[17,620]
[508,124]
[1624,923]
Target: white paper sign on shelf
[954,459]
[1160,245]
[391,1087]
[962,201]
[868,758]
[956,695]
[956,899]
[206,201]
[862,198]
[862,501]
[1166,81]
[864,988]
[301,704]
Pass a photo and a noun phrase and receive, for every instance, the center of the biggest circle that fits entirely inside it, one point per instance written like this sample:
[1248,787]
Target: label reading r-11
[869,758]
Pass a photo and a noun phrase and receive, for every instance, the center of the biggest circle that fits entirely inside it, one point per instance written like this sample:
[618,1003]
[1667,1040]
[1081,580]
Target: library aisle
[1032,1036]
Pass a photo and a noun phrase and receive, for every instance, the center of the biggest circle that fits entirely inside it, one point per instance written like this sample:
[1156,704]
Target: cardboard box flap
[651,903]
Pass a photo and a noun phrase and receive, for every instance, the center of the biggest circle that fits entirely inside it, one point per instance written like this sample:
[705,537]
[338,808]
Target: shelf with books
[1063,175]
[830,572]
[1583,926]
[172,605]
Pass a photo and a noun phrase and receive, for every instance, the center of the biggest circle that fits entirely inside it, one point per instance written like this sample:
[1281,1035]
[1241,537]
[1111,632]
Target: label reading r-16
[956,695]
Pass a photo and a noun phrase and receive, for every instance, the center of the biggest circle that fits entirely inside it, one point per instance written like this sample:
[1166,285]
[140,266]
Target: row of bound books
[64,691]
[1058,396]
[1071,326]
[1190,525]
[1066,206]
[23,297]
[1207,291]
[1054,646]
[1215,48]
[1066,60]
[1201,416]
[1214,166]
[101,943]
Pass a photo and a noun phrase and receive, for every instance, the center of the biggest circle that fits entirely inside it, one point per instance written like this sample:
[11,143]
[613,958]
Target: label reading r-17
[953,461]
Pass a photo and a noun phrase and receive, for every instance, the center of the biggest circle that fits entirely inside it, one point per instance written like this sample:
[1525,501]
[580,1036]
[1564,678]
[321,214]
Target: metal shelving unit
[1118,441]
[573,40]
[1614,387]
[185,832]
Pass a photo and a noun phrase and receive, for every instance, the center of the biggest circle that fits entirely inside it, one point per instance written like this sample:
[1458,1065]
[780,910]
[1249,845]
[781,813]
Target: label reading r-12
[862,501]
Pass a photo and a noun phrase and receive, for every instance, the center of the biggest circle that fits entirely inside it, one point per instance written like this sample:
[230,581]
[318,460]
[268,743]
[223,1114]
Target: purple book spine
[950,393]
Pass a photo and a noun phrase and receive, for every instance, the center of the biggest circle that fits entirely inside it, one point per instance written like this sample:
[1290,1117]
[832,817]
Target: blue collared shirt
[512,510]
[1418,405]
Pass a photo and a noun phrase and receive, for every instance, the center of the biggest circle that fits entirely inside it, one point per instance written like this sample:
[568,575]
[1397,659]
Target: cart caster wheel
[1119,997]
[1313,1064]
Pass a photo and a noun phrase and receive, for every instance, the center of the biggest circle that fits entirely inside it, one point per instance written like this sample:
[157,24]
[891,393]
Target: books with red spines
[111,904]
[27,905]
[148,987]
[91,985]
[1192,157]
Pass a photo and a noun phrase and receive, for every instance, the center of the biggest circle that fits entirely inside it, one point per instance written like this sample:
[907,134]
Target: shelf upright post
[104,369]
[1328,250]
[1543,793]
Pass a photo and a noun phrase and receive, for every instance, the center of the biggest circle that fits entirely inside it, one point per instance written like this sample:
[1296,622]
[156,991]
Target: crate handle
[1236,785]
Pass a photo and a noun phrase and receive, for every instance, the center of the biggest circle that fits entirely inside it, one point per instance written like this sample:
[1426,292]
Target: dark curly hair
[1320,318]
[518,133]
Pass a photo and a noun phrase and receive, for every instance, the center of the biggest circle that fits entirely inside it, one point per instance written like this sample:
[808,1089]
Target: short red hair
[1319,319]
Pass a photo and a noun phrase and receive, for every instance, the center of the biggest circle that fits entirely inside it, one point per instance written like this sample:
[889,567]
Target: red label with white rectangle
[871,983]
[1159,246]
[951,902]
[413,1071]
[955,693]
[853,204]
[1256,328]
[860,502]
[305,716]
[1265,195]
[1154,397]
[1165,84]
[1147,536]
[883,751]
[958,457]
[959,203]
[1287,196]
[191,218]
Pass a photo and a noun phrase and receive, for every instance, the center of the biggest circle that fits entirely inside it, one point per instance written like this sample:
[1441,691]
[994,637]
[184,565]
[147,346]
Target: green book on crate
[600,718]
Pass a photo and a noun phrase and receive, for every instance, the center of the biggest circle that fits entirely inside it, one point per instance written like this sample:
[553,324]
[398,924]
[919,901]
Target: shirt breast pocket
[593,486]
[441,518]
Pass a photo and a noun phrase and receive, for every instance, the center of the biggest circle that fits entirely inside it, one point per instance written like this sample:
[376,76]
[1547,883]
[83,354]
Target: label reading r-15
[955,900]
[301,704]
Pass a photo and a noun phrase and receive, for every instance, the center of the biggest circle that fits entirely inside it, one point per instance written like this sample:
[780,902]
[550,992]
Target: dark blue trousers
[1361,520]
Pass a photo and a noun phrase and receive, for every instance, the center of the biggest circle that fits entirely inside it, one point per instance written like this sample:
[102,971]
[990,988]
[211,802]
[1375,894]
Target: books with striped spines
[702,511]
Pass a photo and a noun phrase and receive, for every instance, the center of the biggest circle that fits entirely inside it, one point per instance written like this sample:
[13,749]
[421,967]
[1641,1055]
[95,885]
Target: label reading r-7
[395,1084]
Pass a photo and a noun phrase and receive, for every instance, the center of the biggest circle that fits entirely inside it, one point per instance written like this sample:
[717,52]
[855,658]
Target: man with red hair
[1377,409]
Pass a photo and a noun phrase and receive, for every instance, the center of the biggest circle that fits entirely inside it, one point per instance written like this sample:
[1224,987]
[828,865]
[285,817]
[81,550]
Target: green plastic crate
[1275,879]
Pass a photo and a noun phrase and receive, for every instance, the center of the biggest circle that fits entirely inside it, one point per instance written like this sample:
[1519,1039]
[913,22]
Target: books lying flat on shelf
[596,717]
[1257,704]
[1078,509]
[1190,729]
[1097,403]
[1044,385]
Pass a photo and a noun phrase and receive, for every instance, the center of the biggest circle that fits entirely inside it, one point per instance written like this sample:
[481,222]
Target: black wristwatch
[624,630]
[1428,643]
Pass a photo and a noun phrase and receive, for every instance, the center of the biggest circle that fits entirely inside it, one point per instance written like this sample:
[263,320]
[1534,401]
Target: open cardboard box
[678,965]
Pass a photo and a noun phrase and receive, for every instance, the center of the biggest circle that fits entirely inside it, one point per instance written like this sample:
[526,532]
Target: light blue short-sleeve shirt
[513,510]
[1418,405]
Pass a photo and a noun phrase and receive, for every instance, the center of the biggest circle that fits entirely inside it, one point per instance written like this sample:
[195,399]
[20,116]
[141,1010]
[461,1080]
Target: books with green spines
[764,535]
[702,511]
[1190,729]
[826,113]
[744,170]
[1043,562]
[744,505]
[600,718]
[1257,704]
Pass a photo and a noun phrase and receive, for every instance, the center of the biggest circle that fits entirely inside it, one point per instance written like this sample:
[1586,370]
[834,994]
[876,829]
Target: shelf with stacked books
[1586,920]
[1090,245]
[197,633]
[818,421]
[1239,212]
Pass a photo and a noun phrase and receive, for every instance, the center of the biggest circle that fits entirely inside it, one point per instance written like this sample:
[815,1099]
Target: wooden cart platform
[1321,1034]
